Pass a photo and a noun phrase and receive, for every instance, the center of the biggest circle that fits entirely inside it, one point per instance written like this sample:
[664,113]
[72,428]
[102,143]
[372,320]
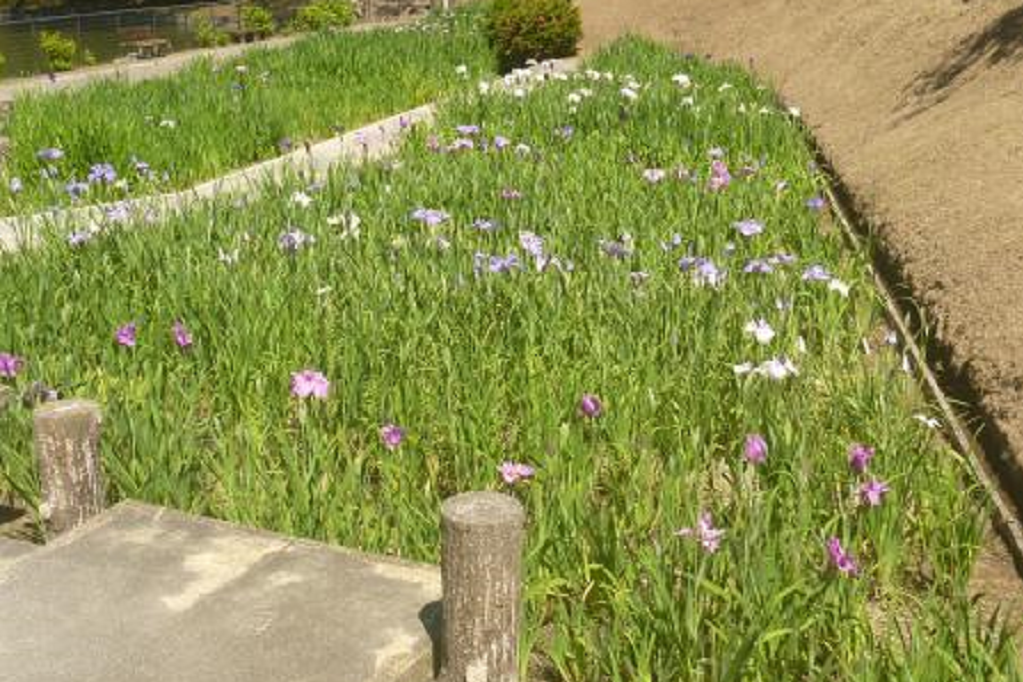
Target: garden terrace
[112,140]
[619,296]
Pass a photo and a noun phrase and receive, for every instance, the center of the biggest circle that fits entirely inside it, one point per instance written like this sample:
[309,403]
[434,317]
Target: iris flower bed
[114,139]
[617,295]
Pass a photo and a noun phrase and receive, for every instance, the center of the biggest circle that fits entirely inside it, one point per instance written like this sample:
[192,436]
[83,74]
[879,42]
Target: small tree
[206,32]
[258,20]
[321,15]
[59,50]
[520,30]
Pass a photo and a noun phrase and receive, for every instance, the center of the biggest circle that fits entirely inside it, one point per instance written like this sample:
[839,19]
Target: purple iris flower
[671,245]
[755,449]
[816,273]
[590,406]
[514,472]
[840,559]
[860,456]
[816,203]
[76,189]
[294,241]
[654,175]
[127,335]
[309,383]
[462,144]
[182,336]
[872,492]
[705,533]
[620,248]
[758,266]
[499,265]
[532,243]
[79,238]
[485,225]
[707,273]
[392,435]
[430,216]
[720,178]
[10,365]
[119,212]
[748,227]
[466,130]
[102,172]
[50,154]
[501,142]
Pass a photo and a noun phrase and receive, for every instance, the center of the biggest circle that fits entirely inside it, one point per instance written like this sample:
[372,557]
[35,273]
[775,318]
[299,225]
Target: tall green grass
[411,327]
[211,118]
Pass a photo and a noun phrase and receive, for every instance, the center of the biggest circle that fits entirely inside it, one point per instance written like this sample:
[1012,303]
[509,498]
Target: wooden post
[67,447]
[481,569]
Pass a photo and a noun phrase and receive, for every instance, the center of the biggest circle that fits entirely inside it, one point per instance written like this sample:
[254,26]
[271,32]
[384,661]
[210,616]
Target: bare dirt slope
[919,106]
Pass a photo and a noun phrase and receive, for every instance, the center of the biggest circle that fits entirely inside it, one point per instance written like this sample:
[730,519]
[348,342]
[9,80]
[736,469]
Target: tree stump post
[481,570]
[67,447]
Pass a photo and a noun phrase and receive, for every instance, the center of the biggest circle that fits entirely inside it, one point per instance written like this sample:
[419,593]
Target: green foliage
[321,15]
[88,58]
[208,119]
[258,20]
[533,29]
[59,50]
[3,62]
[206,32]
[413,324]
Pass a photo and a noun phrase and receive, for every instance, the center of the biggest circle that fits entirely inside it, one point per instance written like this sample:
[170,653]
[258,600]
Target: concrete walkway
[144,594]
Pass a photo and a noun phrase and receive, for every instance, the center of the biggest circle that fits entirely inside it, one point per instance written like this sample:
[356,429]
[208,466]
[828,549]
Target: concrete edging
[365,144]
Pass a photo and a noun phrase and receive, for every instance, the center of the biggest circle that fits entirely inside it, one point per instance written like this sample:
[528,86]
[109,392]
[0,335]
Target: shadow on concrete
[432,618]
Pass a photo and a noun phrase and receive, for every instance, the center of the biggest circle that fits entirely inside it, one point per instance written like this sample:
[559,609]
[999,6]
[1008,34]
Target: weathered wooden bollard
[481,569]
[67,447]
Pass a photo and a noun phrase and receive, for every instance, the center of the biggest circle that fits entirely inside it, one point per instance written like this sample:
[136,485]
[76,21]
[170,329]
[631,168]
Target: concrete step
[144,594]
[13,550]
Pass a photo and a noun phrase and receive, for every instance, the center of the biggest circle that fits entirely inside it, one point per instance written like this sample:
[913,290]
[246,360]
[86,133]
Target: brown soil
[918,107]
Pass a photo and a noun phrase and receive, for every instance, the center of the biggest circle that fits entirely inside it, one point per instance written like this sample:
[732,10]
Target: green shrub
[321,15]
[59,50]
[533,29]
[258,20]
[206,32]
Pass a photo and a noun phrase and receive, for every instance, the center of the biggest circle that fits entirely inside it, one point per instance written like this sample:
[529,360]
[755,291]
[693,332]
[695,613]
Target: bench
[143,42]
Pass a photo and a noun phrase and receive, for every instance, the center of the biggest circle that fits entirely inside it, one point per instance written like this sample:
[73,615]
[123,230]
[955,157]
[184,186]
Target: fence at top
[103,33]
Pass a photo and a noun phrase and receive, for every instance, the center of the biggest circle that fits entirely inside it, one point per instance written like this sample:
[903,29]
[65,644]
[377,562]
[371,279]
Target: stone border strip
[368,143]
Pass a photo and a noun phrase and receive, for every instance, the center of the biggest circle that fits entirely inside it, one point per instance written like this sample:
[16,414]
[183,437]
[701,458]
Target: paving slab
[13,550]
[145,594]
